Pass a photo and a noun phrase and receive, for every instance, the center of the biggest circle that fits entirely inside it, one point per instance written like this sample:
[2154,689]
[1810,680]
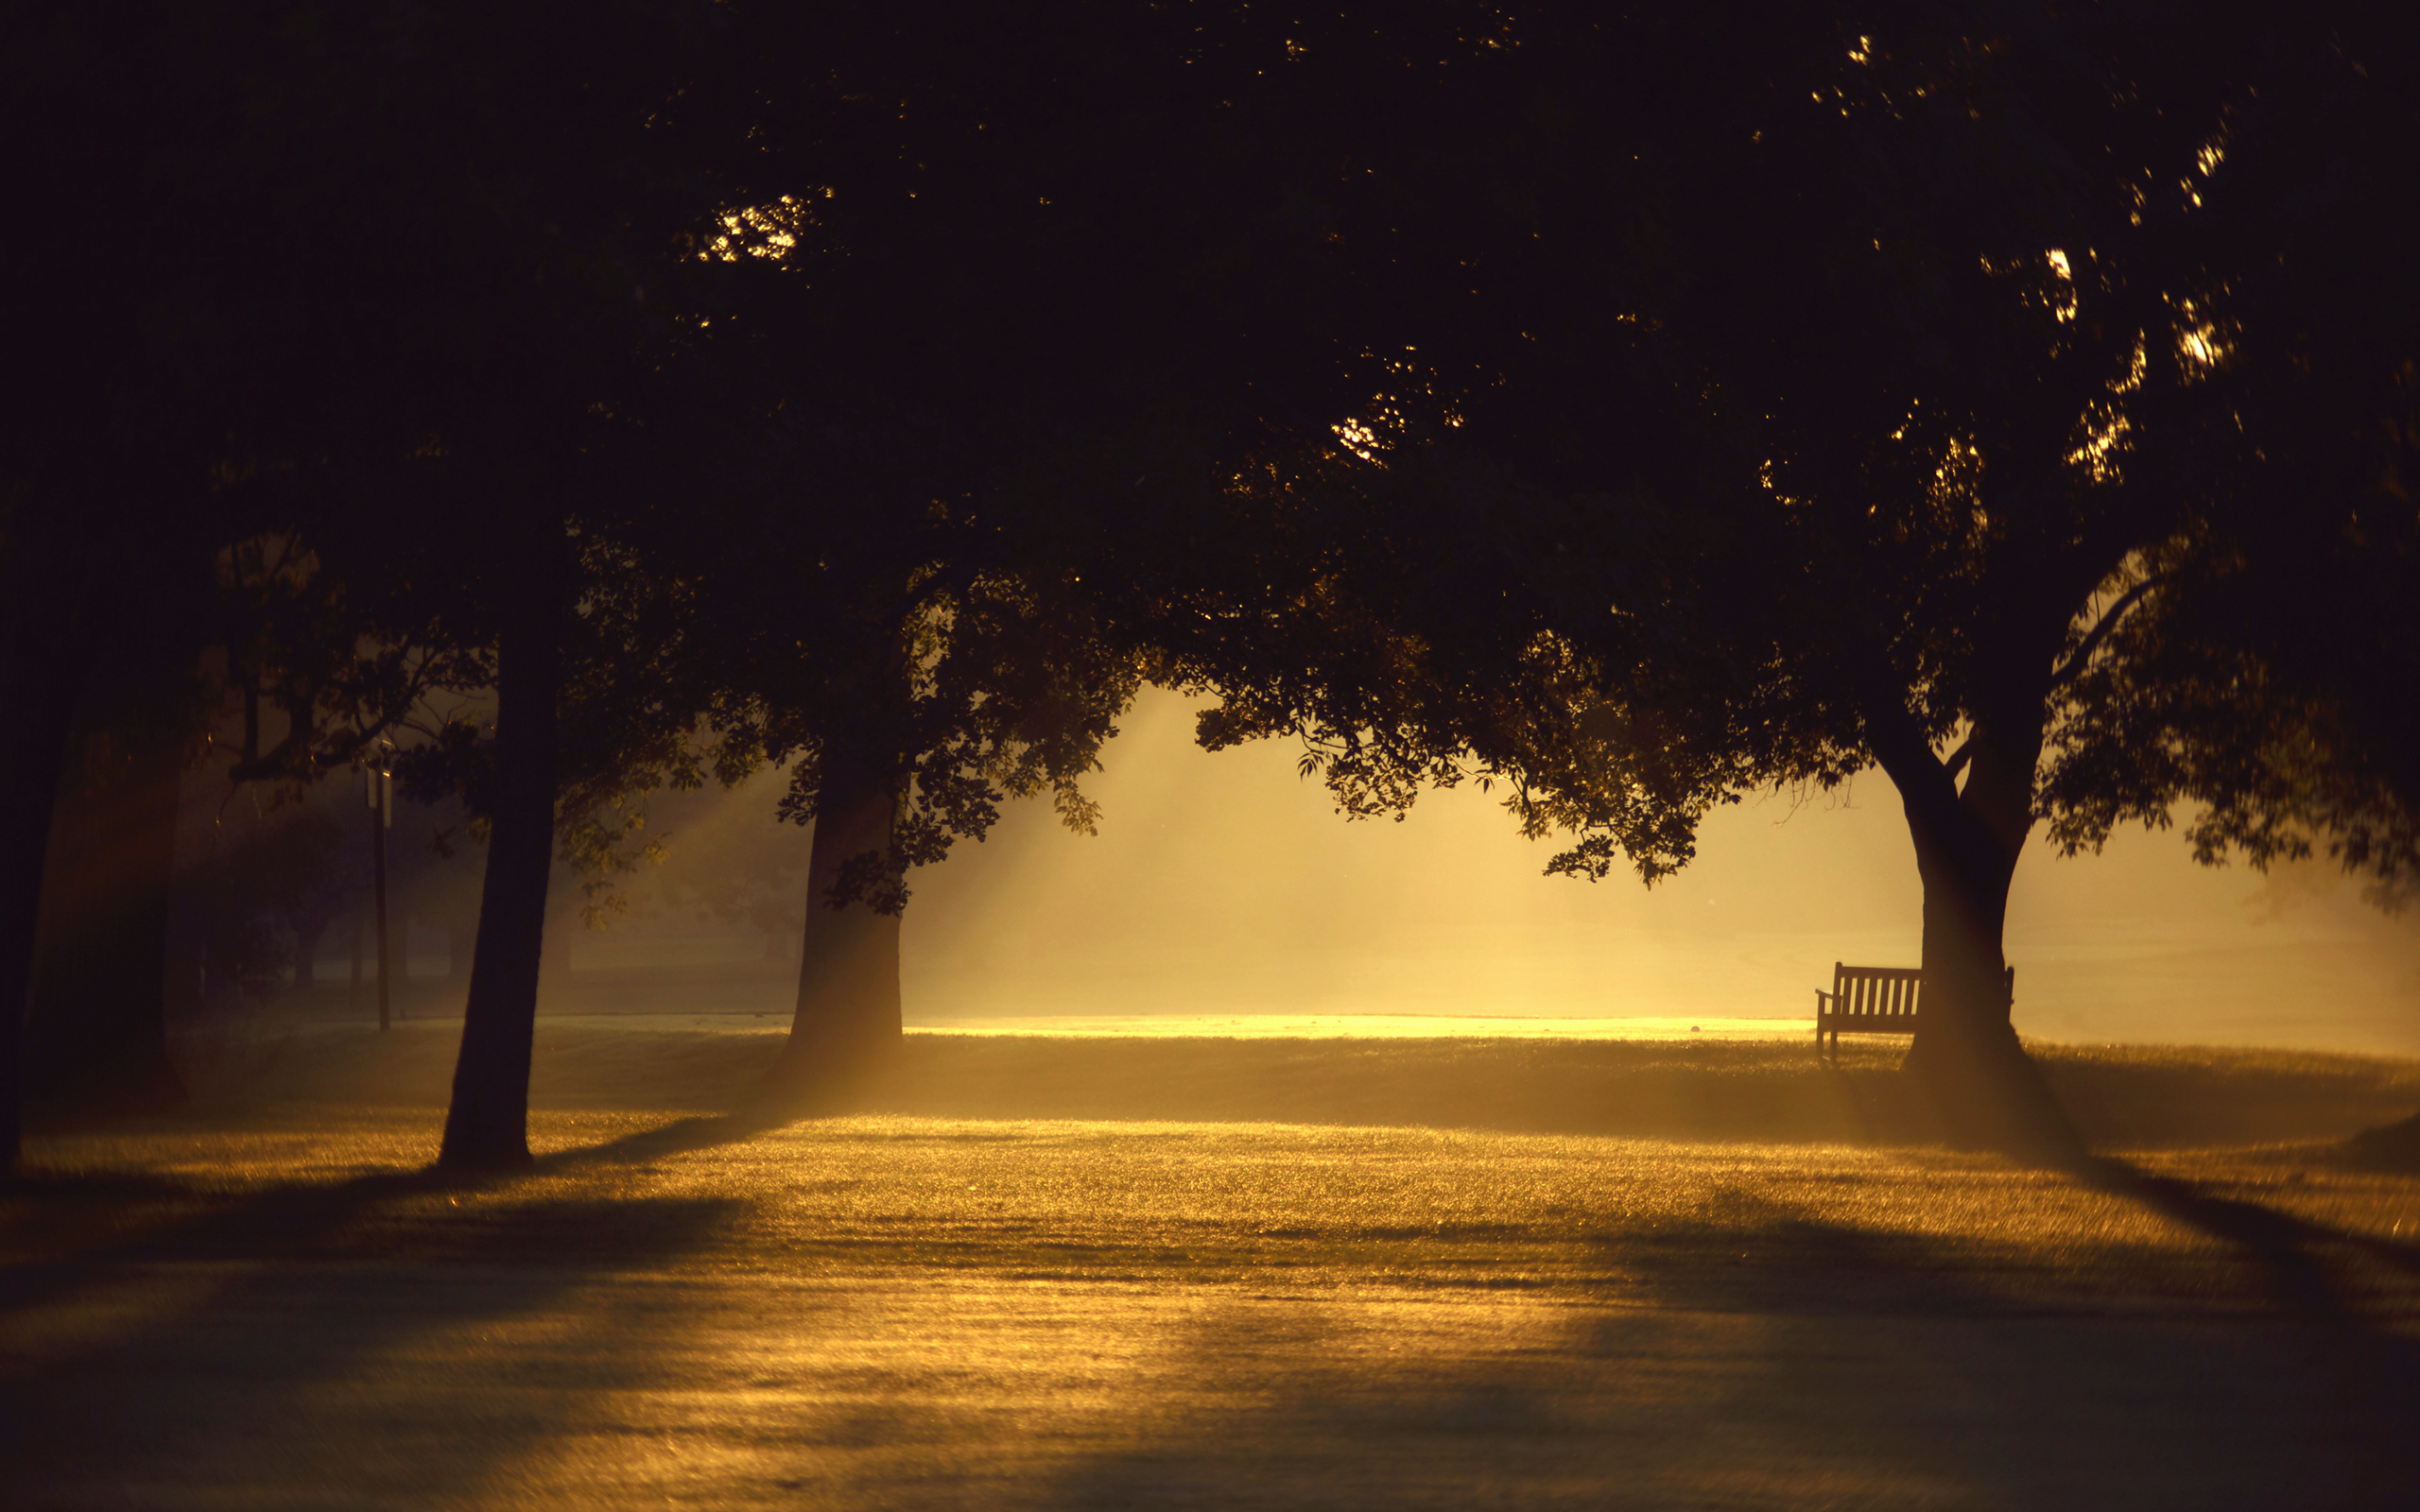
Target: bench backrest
[1876,991]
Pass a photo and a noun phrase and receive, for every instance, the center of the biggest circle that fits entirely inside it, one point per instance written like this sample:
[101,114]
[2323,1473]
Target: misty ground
[1036,1272]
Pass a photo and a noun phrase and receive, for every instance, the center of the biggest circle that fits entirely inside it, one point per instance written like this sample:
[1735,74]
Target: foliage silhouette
[1818,394]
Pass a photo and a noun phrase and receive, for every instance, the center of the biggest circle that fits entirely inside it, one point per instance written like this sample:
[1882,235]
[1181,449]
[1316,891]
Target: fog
[1225,883]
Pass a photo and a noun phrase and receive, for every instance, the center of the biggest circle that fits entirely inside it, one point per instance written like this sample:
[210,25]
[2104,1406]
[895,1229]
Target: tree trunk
[97,1040]
[487,1127]
[32,754]
[1986,1091]
[847,1017]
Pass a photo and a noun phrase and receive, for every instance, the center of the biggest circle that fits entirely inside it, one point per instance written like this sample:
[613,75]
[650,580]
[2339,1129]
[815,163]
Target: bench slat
[1873,1000]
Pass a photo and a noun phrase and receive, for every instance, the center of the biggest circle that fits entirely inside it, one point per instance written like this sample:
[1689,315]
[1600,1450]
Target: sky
[1223,882]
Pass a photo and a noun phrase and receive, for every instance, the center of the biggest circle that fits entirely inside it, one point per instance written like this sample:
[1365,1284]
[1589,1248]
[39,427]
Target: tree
[547,180]
[971,257]
[150,121]
[95,1030]
[1816,393]
[2274,680]
[906,734]
[370,260]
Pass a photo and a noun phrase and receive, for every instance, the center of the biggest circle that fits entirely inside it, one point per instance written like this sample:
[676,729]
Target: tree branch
[2093,638]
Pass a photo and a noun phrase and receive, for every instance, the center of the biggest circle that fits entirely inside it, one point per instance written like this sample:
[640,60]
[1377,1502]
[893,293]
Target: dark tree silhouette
[550,179]
[1812,393]
[379,278]
[1635,410]
[979,251]
[154,122]
[2275,678]
[96,1028]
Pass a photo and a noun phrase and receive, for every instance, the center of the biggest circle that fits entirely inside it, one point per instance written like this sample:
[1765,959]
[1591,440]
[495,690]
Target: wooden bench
[1871,1000]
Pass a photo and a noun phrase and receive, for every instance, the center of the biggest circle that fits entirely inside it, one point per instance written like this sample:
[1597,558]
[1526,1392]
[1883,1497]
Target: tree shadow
[105,1207]
[414,1340]
[1829,1365]
[374,1342]
[2305,1261]
[705,1131]
[263,1308]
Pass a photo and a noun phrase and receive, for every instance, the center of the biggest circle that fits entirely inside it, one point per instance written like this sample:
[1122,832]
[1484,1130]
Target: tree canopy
[1634,410]
[1884,390]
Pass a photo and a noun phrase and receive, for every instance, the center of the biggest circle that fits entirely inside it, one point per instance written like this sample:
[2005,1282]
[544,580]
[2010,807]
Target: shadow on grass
[1708,1091]
[2312,1267]
[417,1337]
[680,1137]
[1760,1090]
[74,1229]
[256,1343]
[1831,1365]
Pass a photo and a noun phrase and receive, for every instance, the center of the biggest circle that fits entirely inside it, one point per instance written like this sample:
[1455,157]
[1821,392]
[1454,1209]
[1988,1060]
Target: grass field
[1057,1273]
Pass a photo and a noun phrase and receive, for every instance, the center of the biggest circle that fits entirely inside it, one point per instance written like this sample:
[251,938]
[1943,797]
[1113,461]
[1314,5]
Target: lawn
[1447,1274]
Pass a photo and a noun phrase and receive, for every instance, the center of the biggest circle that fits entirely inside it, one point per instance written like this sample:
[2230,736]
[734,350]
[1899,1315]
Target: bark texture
[1984,1088]
[32,754]
[487,1126]
[97,1037]
[848,1015]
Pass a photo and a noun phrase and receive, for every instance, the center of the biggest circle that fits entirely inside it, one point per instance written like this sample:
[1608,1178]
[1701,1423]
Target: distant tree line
[1629,410]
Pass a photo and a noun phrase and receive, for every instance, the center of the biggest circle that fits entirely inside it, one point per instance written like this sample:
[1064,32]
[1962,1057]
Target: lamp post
[381,776]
